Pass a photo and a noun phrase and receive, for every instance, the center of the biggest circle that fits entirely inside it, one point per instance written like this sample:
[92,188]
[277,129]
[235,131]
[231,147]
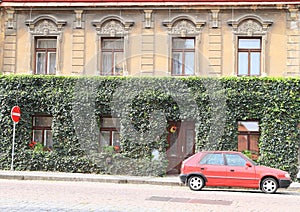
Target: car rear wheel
[196,183]
[269,185]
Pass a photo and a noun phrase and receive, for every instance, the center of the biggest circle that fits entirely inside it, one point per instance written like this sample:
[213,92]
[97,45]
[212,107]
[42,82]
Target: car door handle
[231,170]
[202,168]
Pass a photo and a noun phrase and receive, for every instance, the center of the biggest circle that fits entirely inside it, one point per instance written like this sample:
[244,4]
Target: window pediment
[250,25]
[45,25]
[112,26]
[184,26]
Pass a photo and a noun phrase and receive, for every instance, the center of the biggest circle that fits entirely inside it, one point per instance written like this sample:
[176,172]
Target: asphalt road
[20,195]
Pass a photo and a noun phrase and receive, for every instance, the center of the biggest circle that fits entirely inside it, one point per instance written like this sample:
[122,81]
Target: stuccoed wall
[145,105]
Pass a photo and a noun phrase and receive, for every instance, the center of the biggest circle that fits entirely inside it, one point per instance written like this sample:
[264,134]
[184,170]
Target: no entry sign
[16,114]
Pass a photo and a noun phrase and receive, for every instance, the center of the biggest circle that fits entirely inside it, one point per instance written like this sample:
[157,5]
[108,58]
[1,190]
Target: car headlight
[287,175]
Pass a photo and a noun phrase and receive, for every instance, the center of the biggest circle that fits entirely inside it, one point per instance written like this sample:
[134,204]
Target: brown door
[181,143]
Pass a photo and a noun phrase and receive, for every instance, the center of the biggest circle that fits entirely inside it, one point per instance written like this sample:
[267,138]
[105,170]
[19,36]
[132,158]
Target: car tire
[196,183]
[269,185]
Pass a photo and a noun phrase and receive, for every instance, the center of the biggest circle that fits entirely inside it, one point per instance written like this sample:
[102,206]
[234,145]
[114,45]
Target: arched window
[184,34]
[250,36]
[45,31]
[112,33]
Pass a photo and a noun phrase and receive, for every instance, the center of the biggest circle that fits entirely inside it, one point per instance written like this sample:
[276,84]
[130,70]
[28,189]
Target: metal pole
[13,148]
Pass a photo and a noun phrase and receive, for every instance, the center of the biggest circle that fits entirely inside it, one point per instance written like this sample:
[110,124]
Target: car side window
[235,160]
[212,159]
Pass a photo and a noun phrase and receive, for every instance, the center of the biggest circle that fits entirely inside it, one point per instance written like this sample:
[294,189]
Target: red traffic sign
[16,114]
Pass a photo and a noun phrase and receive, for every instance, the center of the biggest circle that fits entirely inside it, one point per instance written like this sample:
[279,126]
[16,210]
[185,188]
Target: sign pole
[15,116]
[13,148]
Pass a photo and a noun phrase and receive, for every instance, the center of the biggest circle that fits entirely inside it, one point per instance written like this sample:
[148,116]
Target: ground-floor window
[248,135]
[110,133]
[42,130]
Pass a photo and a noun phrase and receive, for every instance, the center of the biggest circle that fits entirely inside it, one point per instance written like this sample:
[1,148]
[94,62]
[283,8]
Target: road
[25,196]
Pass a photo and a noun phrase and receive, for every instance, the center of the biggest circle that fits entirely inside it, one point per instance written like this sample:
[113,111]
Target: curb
[118,179]
[77,177]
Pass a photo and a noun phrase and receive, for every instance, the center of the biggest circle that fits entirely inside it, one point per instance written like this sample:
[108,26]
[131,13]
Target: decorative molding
[148,19]
[112,26]
[78,23]
[214,19]
[250,25]
[10,24]
[293,18]
[45,26]
[184,26]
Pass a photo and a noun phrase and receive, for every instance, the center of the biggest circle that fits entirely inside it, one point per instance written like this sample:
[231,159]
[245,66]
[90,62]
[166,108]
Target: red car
[230,169]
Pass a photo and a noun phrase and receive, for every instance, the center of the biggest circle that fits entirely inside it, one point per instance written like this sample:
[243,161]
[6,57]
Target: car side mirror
[248,164]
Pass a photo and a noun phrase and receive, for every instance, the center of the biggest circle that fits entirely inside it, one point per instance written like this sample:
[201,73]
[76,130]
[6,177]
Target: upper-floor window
[183,56]
[249,56]
[45,56]
[112,56]
[248,135]
[42,130]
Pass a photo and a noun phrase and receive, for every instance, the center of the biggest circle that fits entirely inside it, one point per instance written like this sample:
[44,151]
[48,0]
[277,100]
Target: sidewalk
[172,180]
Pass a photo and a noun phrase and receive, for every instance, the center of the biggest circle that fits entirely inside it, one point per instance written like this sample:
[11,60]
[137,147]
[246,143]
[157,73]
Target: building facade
[156,38]
[151,38]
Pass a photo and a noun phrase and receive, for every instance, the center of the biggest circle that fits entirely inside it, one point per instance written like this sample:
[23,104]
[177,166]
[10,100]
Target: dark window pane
[42,121]
[110,122]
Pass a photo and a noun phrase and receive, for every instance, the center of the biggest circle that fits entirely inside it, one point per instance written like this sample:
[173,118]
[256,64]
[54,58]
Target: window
[212,159]
[45,56]
[110,132]
[42,131]
[248,135]
[183,56]
[249,56]
[112,56]
[235,160]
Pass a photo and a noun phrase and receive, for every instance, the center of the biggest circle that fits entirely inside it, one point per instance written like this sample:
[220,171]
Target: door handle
[202,168]
[231,170]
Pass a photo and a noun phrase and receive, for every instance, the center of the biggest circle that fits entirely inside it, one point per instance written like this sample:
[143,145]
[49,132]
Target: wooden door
[181,144]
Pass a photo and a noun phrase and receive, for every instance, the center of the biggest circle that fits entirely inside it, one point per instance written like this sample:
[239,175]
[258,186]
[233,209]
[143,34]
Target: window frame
[248,135]
[111,130]
[249,51]
[113,56]
[48,52]
[183,52]
[43,129]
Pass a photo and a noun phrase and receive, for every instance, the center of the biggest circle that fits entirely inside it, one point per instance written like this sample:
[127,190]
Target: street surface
[24,195]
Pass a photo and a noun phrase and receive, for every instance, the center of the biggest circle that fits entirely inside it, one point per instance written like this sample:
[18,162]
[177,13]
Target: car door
[240,171]
[212,166]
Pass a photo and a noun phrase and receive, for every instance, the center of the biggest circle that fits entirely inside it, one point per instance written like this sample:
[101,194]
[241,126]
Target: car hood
[270,170]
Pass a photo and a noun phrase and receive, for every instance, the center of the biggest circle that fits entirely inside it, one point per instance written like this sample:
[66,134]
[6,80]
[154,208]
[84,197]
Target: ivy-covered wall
[145,105]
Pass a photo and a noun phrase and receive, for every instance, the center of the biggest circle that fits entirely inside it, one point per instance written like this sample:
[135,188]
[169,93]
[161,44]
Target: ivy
[145,105]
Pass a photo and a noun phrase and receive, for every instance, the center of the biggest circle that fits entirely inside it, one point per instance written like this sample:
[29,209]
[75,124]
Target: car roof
[219,151]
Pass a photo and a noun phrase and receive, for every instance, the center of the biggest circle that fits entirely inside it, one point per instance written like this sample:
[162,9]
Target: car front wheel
[269,185]
[196,183]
